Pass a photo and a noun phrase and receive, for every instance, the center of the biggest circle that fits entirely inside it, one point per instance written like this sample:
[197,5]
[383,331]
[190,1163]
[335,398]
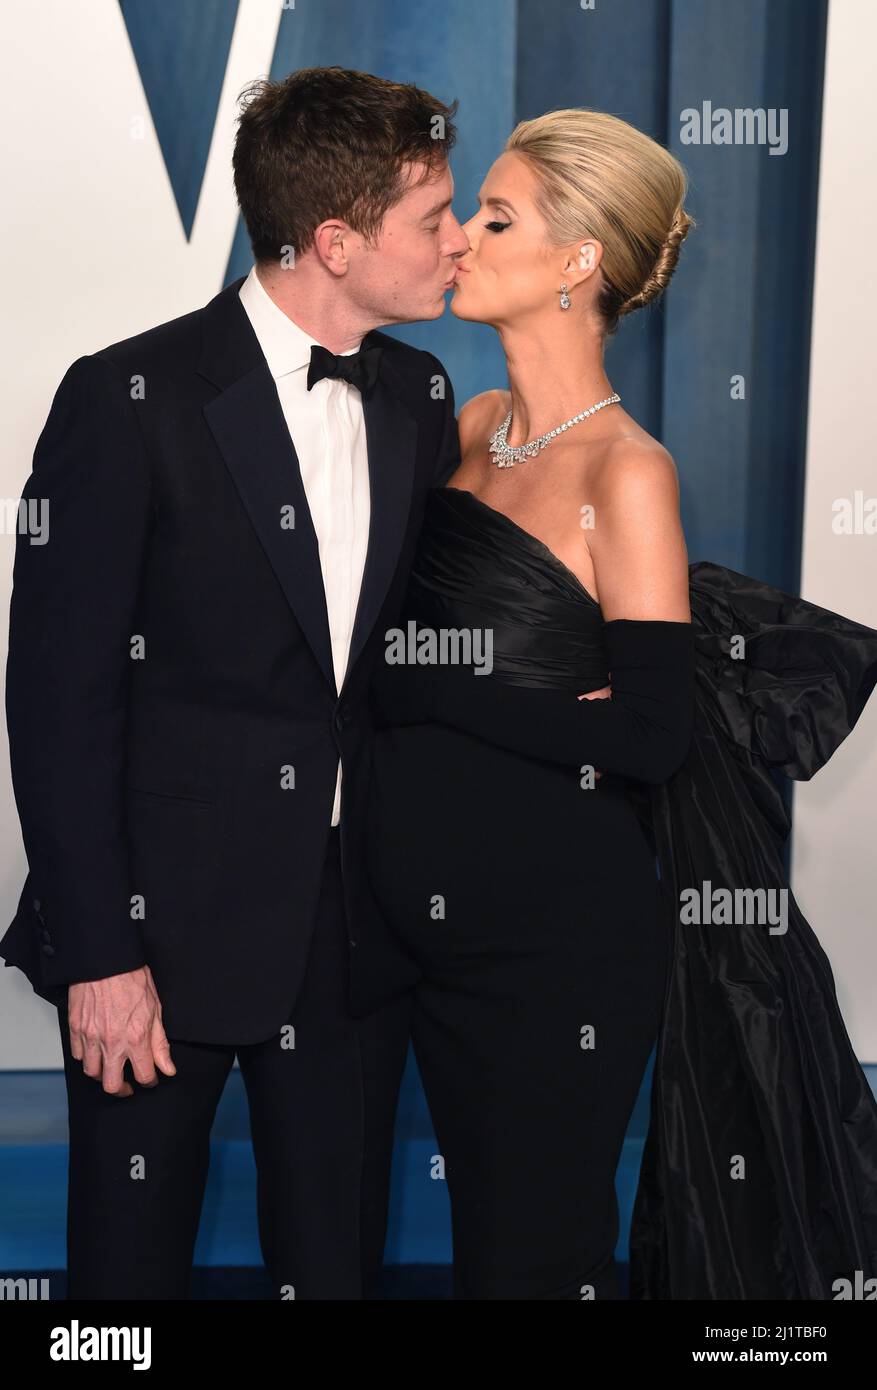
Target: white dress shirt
[327,428]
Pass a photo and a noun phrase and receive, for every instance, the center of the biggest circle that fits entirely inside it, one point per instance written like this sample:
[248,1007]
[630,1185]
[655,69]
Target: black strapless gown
[555,918]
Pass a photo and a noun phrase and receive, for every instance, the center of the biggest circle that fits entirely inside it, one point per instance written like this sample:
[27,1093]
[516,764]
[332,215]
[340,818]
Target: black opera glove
[643,732]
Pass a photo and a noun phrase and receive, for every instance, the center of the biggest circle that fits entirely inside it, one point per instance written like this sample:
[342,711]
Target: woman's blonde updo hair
[602,178]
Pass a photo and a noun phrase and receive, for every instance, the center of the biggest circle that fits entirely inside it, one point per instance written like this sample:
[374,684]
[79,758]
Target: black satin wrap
[753,1056]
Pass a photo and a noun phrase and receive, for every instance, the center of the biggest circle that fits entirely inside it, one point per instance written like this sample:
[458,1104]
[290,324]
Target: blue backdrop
[740,303]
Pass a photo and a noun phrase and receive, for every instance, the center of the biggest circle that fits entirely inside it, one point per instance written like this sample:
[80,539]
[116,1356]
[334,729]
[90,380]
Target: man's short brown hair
[331,142]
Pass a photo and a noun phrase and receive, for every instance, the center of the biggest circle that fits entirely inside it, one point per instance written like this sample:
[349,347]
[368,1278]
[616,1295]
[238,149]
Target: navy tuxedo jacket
[173,720]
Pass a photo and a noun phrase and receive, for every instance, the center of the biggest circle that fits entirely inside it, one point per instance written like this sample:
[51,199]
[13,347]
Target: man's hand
[116,1019]
[604,694]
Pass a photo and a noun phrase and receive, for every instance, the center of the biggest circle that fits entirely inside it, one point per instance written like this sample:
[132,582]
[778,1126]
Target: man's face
[403,278]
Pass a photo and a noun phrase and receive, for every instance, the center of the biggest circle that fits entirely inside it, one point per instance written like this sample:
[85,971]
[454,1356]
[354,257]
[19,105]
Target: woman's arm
[643,731]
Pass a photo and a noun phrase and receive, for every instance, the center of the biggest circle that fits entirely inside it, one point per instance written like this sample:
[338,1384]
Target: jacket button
[36,904]
[48,950]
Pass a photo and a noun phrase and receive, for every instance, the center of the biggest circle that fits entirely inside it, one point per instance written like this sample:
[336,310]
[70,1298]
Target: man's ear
[330,246]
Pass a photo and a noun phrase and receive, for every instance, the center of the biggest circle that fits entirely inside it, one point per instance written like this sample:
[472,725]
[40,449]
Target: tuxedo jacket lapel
[391,435]
[247,422]
[248,425]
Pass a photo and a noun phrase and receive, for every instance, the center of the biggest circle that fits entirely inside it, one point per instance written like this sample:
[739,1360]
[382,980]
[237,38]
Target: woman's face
[510,272]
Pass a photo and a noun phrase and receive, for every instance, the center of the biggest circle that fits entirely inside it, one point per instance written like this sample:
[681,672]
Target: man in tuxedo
[233,500]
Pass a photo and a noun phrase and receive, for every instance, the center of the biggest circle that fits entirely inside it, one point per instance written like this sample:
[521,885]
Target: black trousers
[321,1114]
[530,1127]
[532,909]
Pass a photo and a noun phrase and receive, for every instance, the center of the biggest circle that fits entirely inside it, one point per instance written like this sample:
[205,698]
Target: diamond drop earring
[565,300]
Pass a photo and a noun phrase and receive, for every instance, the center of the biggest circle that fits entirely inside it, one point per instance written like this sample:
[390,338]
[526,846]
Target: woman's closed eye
[497,226]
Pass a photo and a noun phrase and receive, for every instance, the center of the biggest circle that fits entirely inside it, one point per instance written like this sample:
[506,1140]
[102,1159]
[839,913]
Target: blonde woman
[514,823]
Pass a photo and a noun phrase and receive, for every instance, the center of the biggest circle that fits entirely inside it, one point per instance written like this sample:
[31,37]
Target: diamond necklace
[510,454]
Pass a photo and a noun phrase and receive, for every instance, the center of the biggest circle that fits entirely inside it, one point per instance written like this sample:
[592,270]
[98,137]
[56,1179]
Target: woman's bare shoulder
[637,542]
[634,465]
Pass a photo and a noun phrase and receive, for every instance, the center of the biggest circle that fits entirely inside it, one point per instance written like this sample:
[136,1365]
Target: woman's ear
[584,259]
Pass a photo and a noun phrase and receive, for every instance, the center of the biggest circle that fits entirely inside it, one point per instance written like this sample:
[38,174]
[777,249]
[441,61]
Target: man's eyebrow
[439,207]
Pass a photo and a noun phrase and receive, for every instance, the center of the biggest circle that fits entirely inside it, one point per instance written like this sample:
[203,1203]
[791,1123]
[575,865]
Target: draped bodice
[476,569]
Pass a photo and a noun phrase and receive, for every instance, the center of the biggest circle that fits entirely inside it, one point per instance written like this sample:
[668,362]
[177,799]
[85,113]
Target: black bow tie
[359,368]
